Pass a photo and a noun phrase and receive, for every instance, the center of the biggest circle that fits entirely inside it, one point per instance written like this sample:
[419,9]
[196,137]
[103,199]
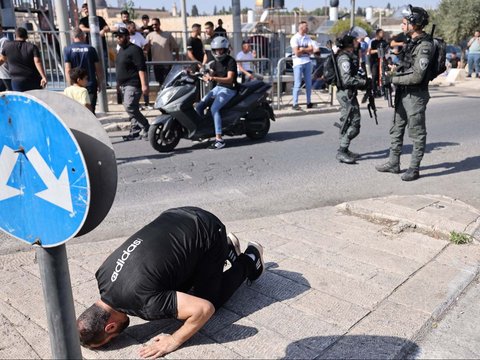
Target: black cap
[122,32]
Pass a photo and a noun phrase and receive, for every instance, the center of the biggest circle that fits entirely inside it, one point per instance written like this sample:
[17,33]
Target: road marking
[58,190]
[8,159]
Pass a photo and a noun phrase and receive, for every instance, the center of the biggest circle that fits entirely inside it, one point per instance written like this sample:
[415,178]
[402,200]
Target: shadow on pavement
[406,149]
[274,286]
[468,164]
[353,347]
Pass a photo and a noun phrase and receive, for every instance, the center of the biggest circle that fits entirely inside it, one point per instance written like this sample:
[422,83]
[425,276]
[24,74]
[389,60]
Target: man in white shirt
[302,48]
[245,67]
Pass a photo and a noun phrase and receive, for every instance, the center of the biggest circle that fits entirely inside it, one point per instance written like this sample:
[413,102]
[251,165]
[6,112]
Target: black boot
[352,154]
[391,167]
[343,156]
[411,174]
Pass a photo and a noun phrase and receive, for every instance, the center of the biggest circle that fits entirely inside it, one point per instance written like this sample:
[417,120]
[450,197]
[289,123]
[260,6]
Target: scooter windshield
[175,72]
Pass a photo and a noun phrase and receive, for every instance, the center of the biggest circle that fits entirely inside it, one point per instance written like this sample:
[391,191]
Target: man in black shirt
[373,49]
[223,72]
[24,63]
[84,25]
[219,30]
[152,274]
[194,45]
[132,80]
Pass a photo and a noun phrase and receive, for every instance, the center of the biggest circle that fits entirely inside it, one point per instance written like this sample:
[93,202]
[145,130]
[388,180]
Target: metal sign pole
[57,292]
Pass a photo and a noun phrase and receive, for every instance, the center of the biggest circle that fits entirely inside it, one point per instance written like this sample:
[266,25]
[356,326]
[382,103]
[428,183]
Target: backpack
[329,74]
[439,61]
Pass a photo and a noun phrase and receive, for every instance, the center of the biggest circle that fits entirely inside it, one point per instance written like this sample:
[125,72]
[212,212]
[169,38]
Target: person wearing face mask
[411,79]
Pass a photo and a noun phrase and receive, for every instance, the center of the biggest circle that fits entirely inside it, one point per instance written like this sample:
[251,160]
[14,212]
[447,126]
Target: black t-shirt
[83,56]
[101,24]
[145,30]
[130,60]
[220,31]
[221,69]
[375,45]
[454,62]
[20,61]
[195,45]
[142,276]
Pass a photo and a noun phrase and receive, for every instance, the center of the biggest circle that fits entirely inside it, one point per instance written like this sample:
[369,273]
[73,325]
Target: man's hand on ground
[160,346]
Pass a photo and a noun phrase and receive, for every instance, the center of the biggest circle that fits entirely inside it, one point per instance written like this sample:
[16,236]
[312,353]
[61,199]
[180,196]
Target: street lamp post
[352,15]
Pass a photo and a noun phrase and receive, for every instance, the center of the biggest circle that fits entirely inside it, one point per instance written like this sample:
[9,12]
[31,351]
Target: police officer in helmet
[411,80]
[348,65]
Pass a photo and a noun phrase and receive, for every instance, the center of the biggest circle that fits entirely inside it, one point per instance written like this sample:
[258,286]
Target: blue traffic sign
[44,183]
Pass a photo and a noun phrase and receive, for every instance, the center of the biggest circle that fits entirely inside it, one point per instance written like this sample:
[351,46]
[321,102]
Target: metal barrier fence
[271,44]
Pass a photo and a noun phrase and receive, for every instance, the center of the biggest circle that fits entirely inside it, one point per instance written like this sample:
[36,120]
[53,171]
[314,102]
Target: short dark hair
[302,22]
[145,17]
[378,31]
[76,74]
[156,19]
[196,26]
[77,33]
[85,6]
[91,325]
[21,33]
[124,12]
[209,24]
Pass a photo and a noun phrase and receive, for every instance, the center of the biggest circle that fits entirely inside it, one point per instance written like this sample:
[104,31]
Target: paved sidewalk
[364,279]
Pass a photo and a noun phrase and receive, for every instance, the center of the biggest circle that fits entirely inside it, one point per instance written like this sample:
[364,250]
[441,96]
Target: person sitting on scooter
[223,72]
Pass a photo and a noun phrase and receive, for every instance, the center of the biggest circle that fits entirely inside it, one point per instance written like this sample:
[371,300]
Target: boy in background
[78,89]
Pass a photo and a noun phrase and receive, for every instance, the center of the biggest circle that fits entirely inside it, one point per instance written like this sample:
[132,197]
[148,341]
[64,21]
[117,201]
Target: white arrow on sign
[8,159]
[58,190]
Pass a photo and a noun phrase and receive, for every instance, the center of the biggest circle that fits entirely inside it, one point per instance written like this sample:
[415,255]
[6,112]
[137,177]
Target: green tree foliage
[342,26]
[130,7]
[457,20]
[194,11]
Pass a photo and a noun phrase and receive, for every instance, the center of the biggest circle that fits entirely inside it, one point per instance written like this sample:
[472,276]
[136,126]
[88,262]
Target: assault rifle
[372,108]
[383,71]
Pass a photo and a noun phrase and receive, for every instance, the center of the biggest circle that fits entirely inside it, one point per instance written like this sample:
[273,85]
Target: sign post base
[57,292]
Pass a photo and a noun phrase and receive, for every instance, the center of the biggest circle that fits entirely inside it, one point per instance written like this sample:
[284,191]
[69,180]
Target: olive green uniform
[411,98]
[347,96]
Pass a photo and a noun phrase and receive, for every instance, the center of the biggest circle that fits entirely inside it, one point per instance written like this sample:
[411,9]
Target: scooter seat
[243,91]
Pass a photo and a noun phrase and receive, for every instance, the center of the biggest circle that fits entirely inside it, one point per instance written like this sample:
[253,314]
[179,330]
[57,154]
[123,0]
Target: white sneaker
[234,247]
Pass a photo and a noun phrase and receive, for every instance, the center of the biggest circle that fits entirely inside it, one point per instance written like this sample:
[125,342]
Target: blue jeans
[306,71]
[473,62]
[221,95]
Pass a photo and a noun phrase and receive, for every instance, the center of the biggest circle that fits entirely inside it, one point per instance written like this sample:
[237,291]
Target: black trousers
[5,84]
[211,283]
[160,72]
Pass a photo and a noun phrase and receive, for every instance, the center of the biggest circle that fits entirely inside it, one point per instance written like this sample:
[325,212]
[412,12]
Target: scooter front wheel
[162,139]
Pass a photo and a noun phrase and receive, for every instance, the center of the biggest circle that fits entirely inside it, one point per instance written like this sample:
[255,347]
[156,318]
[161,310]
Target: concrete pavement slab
[338,283]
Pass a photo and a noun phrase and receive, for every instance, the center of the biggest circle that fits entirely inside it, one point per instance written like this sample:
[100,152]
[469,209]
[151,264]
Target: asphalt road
[293,168]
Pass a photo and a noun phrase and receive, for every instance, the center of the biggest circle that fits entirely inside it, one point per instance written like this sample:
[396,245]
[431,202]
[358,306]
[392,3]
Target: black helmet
[416,16]
[219,42]
[345,41]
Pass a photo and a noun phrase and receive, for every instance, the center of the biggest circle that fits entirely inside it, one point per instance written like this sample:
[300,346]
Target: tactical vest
[407,61]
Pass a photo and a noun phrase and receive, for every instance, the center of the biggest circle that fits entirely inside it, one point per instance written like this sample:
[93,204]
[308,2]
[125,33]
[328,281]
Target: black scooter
[247,113]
